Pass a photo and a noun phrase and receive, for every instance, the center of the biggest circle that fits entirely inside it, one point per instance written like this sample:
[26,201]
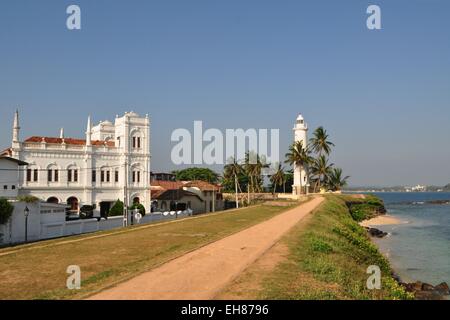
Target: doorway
[104,209]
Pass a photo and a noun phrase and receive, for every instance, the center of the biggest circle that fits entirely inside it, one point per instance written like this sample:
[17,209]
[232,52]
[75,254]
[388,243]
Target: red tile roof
[167,185]
[174,185]
[173,194]
[157,193]
[70,141]
[202,185]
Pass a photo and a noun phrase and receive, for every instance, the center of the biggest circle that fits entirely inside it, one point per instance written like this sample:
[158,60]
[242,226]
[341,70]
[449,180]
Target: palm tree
[278,178]
[319,142]
[336,179]
[232,171]
[253,166]
[249,169]
[261,164]
[288,176]
[322,169]
[299,156]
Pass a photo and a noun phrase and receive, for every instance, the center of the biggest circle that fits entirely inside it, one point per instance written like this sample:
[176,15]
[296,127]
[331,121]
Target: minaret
[300,177]
[16,128]
[61,133]
[89,132]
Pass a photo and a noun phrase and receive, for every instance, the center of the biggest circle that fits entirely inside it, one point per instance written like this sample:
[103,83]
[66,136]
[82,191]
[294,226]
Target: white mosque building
[111,163]
[301,183]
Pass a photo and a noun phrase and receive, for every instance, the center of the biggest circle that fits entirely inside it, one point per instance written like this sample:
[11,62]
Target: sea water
[419,247]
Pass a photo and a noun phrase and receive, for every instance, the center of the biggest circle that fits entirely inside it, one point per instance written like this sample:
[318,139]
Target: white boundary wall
[48,221]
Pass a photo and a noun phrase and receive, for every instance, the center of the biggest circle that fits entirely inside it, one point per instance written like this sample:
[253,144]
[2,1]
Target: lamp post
[176,209]
[214,200]
[26,212]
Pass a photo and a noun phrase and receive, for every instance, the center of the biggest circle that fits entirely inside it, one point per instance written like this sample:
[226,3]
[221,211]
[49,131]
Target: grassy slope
[328,259]
[38,271]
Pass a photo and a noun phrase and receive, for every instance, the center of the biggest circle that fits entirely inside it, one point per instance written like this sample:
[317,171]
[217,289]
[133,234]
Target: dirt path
[201,274]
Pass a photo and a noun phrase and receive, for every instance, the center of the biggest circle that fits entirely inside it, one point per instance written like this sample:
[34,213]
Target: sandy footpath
[203,273]
[381,221]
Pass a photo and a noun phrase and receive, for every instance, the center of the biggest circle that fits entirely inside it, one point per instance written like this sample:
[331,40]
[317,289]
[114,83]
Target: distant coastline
[406,189]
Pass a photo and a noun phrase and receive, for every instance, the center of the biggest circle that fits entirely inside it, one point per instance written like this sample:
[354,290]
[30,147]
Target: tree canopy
[190,174]
[6,210]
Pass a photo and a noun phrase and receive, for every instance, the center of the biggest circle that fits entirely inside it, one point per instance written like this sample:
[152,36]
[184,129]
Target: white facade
[9,177]
[111,163]
[301,182]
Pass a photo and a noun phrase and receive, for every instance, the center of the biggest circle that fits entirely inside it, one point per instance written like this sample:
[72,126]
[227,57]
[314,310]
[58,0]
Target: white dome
[300,117]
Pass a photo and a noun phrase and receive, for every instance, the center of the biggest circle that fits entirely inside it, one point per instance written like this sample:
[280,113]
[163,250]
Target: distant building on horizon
[111,163]
[162,176]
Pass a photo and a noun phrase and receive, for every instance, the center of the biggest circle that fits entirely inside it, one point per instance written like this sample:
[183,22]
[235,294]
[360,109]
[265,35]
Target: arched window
[52,173]
[136,200]
[154,206]
[72,202]
[72,173]
[137,140]
[53,200]
[105,174]
[32,174]
[136,173]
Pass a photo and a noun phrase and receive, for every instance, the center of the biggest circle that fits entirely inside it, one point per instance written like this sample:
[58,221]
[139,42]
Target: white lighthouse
[300,177]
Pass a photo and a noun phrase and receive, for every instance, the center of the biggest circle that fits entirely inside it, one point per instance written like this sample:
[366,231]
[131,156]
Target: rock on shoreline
[376,232]
[425,291]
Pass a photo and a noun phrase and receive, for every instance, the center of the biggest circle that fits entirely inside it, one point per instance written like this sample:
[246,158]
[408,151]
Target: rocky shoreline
[420,290]
[425,291]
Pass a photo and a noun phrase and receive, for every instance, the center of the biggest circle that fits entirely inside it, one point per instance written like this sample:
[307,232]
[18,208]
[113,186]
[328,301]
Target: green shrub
[28,199]
[396,291]
[117,209]
[375,202]
[364,211]
[6,210]
[358,214]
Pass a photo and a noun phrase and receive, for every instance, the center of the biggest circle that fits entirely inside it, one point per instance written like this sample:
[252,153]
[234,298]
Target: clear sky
[384,96]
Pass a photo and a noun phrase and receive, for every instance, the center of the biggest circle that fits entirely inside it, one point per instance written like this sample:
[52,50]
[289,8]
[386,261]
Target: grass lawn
[38,271]
[326,257]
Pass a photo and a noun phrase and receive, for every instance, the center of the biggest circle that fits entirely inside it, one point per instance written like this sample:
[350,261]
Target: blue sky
[384,96]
